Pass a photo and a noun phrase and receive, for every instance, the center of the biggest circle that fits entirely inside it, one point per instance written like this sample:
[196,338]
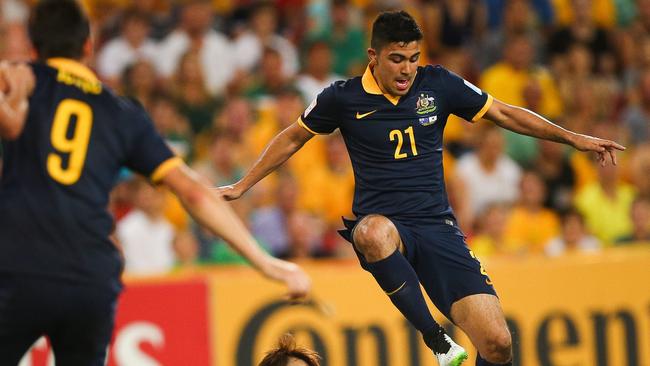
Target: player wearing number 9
[65,138]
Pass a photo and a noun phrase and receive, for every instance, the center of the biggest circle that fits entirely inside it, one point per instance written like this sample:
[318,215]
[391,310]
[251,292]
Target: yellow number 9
[76,147]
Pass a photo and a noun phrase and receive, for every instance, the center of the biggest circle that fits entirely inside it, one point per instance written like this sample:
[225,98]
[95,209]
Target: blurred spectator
[195,32]
[132,45]
[518,18]
[145,235]
[496,13]
[220,167]
[139,81]
[640,215]
[347,40]
[574,237]
[249,46]
[605,204]
[193,100]
[172,125]
[489,175]
[269,223]
[269,80]
[554,167]
[304,234]
[530,225]
[489,238]
[640,169]
[460,23]
[582,30]
[508,81]
[637,116]
[186,248]
[317,73]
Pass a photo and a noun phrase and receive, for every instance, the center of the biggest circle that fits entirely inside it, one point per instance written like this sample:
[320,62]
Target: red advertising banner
[157,323]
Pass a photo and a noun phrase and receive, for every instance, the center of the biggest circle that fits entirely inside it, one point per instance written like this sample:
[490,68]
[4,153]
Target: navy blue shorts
[446,268]
[77,319]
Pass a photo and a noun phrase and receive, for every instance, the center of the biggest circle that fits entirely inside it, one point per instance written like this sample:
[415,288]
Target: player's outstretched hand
[297,281]
[230,192]
[601,146]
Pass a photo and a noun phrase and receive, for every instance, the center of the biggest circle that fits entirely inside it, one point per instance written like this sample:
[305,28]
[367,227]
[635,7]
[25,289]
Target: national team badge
[425,104]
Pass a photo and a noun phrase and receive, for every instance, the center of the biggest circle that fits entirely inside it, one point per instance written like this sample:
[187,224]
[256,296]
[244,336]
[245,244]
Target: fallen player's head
[59,28]
[287,354]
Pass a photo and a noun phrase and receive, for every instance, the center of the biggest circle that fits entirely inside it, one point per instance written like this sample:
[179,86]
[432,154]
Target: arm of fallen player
[525,122]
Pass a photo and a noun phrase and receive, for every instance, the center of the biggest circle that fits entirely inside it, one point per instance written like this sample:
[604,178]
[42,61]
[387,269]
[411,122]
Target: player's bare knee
[498,347]
[376,237]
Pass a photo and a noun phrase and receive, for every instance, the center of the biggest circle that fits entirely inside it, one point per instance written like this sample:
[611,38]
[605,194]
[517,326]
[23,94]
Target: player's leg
[84,326]
[377,239]
[481,318]
[19,320]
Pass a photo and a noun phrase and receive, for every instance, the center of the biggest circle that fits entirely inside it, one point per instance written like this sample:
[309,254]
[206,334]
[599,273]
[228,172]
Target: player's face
[395,66]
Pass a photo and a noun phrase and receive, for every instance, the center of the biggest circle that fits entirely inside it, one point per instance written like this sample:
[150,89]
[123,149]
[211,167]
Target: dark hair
[394,26]
[58,28]
[287,350]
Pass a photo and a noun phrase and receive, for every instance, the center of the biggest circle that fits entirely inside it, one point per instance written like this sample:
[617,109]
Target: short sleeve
[466,100]
[321,117]
[149,154]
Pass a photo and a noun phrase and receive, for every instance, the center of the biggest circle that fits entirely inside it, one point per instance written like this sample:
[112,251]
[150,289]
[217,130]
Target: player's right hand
[297,281]
[230,192]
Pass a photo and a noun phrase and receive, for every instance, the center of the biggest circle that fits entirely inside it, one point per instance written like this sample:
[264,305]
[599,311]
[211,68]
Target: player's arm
[16,85]
[525,122]
[213,213]
[281,148]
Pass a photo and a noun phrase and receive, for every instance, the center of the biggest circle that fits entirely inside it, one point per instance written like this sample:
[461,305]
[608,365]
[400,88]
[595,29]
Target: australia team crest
[424,105]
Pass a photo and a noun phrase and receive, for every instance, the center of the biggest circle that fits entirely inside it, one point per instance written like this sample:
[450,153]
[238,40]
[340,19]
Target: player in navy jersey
[392,120]
[65,138]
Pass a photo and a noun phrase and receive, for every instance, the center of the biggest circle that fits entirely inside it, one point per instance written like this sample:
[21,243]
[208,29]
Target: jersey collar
[371,87]
[73,67]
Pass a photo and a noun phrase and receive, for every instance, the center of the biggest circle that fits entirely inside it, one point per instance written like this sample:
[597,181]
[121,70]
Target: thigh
[481,318]
[446,267]
[21,324]
[84,327]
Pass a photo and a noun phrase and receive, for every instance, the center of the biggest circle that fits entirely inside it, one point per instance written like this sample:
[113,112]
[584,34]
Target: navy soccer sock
[481,362]
[399,281]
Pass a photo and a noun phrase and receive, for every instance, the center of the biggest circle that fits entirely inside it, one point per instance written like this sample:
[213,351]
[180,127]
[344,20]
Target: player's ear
[372,56]
[88,48]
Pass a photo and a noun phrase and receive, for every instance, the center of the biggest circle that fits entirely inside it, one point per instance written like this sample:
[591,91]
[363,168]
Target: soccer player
[65,138]
[392,119]
[287,354]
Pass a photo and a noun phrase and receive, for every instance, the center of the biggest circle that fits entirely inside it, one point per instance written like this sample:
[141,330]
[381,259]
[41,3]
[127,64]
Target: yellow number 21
[76,147]
[397,134]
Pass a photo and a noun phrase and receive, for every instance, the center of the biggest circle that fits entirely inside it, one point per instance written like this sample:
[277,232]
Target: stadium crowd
[220,78]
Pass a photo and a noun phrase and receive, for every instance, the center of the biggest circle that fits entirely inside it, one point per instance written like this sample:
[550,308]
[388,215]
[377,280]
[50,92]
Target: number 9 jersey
[395,143]
[57,175]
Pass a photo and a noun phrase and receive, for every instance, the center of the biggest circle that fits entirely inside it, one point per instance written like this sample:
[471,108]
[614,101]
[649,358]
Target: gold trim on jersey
[164,168]
[481,113]
[303,125]
[75,73]
[371,87]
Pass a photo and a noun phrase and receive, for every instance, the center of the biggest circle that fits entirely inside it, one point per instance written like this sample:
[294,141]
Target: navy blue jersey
[57,175]
[395,144]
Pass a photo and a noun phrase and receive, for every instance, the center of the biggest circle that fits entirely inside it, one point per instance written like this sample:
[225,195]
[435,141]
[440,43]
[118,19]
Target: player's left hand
[601,146]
